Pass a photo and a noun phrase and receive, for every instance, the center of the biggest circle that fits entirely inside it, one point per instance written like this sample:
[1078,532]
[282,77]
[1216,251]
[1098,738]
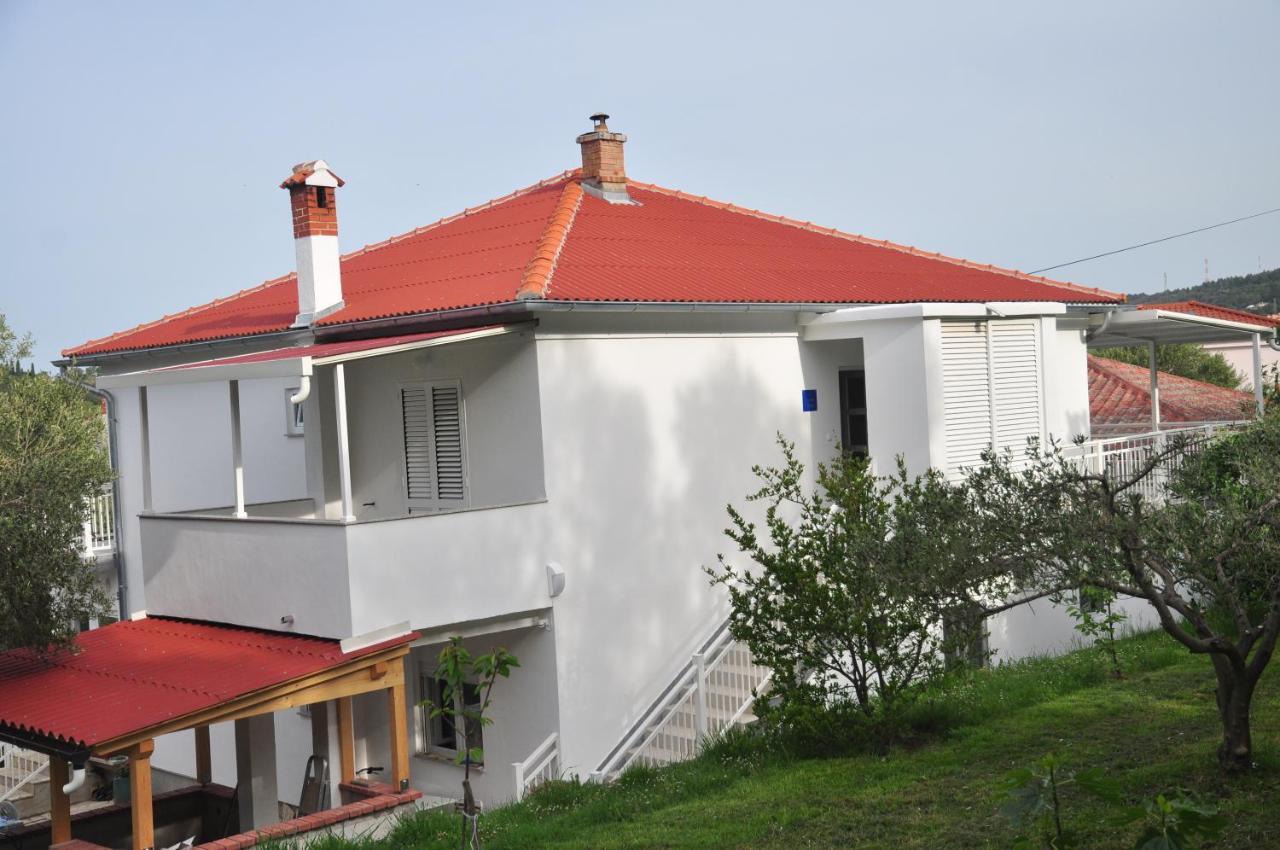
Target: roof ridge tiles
[535,282]
[907,249]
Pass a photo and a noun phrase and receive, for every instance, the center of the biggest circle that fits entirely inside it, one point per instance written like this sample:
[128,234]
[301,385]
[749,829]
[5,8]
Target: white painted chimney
[313,199]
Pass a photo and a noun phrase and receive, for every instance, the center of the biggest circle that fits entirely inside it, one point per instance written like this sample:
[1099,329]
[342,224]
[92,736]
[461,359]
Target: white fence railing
[542,766]
[19,768]
[1122,457]
[100,527]
[711,693]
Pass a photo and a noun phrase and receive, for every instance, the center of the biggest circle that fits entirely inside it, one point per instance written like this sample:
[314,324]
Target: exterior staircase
[24,780]
[712,692]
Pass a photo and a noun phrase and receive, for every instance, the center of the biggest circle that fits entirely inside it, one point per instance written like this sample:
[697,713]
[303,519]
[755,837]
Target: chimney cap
[313,173]
[599,118]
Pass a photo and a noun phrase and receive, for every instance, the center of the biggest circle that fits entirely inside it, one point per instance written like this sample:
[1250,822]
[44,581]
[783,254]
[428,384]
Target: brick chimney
[312,197]
[602,172]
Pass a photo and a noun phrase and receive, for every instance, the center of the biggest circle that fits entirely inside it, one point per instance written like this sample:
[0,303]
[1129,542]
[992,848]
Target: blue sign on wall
[808,400]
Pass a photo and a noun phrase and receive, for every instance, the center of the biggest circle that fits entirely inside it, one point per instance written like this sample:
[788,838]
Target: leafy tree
[859,589]
[1185,359]
[1096,617]
[52,460]
[459,669]
[1207,557]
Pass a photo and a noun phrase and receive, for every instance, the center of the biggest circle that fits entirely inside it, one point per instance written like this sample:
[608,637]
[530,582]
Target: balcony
[334,579]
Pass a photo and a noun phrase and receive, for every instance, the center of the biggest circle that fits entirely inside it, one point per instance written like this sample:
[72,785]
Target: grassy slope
[1154,731]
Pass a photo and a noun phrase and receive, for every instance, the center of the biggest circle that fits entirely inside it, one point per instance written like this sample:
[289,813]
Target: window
[434,445]
[853,411]
[442,733]
[293,420]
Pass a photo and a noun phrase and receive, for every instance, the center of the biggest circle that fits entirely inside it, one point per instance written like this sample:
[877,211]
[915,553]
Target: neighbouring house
[1120,400]
[521,425]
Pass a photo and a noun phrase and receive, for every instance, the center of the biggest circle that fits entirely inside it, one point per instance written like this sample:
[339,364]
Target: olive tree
[859,587]
[52,459]
[1194,530]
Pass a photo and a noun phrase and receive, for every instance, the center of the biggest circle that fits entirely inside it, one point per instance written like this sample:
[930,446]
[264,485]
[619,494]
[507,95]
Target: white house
[522,423]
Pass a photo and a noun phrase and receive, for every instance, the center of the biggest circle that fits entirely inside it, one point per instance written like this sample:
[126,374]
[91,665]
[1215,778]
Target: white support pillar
[344,444]
[1257,372]
[256,794]
[1155,386]
[145,422]
[237,455]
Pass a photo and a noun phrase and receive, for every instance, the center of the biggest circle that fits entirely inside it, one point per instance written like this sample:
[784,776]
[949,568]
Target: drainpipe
[77,780]
[304,390]
[113,453]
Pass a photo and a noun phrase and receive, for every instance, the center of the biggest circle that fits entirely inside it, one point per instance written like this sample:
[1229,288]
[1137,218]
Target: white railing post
[519,769]
[88,529]
[700,693]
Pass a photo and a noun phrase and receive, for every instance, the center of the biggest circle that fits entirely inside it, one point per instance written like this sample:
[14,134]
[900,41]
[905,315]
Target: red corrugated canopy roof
[667,246]
[133,675]
[1120,395]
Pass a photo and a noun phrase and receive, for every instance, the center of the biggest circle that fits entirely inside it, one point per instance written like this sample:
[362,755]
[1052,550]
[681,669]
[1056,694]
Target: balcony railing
[1122,457]
[100,527]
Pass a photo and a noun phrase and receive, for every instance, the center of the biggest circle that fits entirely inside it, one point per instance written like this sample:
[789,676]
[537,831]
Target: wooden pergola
[379,668]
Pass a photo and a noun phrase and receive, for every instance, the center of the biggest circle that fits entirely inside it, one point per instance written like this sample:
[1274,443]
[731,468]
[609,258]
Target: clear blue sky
[142,143]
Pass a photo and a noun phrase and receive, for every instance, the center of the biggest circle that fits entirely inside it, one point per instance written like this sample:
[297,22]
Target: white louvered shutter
[1015,359]
[966,392]
[434,445]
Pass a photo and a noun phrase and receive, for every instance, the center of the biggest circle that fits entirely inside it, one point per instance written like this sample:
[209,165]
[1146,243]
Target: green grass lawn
[1154,731]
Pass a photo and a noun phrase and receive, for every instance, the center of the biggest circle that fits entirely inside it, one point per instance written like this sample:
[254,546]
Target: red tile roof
[554,241]
[132,675]
[1213,311]
[1120,399]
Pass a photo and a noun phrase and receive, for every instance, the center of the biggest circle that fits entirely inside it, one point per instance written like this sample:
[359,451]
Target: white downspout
[304,390]
[77,780]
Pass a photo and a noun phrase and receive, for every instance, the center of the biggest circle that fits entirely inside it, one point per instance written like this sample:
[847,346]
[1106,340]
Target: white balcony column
[344,443]
[237,455]
[1155,386]
[145,429]
[1257,373]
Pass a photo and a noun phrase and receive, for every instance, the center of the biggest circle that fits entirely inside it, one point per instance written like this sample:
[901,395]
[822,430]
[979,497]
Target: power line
[1156,241]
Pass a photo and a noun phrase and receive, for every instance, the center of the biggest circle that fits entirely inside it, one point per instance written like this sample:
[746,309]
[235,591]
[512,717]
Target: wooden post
[59,803]
[398,735]
[204,759]
[140,793]
[346,739]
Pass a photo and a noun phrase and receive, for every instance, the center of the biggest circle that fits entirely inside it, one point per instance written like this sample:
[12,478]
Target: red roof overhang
[133,676]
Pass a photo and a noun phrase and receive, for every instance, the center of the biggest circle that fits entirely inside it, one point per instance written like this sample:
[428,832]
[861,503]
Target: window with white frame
[293,416]
[441,733]
[435,474]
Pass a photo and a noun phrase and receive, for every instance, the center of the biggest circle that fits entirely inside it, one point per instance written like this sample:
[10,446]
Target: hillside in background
[1258,293]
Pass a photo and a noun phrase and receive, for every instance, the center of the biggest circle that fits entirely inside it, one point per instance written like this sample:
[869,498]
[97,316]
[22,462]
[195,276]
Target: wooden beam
[397,727]
[204,758]
[140,794]
[59,803]
[346,740]
[348,679]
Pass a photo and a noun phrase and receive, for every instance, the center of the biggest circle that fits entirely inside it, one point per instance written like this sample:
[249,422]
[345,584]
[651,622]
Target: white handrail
[709,694]
[21,767]
[542,765]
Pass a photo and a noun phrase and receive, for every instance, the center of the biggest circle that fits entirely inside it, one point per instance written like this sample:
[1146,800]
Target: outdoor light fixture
[555,579]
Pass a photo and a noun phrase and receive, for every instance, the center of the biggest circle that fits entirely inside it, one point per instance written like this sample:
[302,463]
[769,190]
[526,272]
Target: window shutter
[446,416]
[434,445]
[966,392]
[1016,379]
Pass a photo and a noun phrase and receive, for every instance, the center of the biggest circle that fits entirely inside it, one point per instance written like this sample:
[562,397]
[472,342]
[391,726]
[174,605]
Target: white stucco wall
[1240,356]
